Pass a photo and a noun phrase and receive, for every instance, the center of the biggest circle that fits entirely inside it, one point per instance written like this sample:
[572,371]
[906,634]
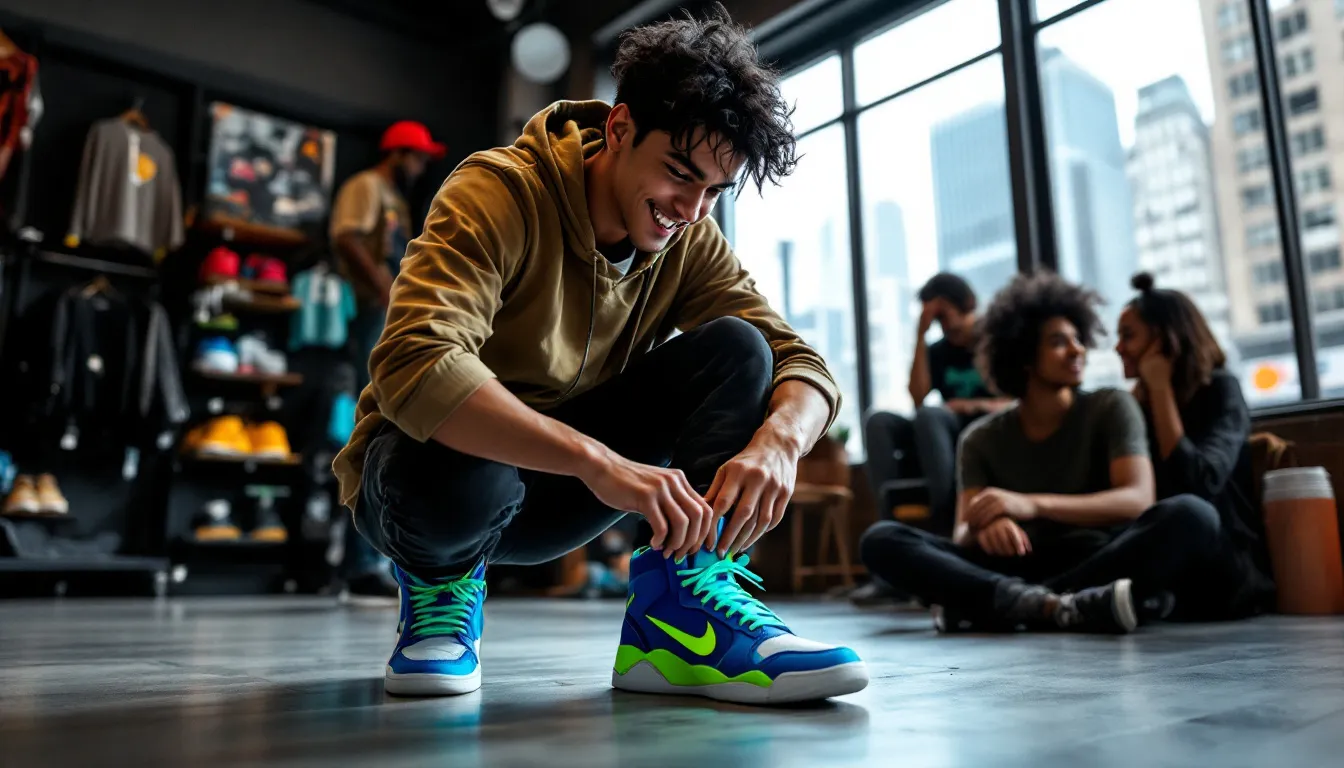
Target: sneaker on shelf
[690,628]
[438,636]
[50,500]
[269,441]
[272,362]
[1103,610]
[216,354]
[224,437]
[269,528]
[22,498]
[220,263]
[216,523]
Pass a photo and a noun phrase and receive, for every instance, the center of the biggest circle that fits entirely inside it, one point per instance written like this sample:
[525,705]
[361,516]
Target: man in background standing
[370,227]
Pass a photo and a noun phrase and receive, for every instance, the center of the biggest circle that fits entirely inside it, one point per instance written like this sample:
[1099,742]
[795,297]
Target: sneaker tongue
[703,559]
[478,572]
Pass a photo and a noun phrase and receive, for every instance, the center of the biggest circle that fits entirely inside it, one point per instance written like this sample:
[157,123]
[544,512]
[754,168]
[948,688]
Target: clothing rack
[96,265]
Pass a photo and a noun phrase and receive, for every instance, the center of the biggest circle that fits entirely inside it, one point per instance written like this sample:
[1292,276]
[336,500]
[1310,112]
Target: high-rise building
[1094,229]
[1092,199]
[891,297]
[973,203]
[1310,67]
[1175,210]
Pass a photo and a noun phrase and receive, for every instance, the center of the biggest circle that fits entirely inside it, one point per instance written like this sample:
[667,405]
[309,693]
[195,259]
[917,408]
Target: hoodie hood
[560,138]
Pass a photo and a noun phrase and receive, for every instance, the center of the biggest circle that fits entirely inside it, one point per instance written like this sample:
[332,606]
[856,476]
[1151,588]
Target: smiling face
[1135,336]
[661,189]
[1061,356]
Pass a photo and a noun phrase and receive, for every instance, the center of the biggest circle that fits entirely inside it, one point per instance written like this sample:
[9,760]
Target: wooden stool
[834,503]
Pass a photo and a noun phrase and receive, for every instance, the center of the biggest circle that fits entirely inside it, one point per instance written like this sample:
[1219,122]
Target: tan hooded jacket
[506,281]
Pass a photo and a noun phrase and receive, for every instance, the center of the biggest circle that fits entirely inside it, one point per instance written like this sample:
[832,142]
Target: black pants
[931,440]
[692,403]
[1178,545]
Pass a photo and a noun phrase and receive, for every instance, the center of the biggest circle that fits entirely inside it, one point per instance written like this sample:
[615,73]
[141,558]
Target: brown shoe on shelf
[50,500]
[23,498]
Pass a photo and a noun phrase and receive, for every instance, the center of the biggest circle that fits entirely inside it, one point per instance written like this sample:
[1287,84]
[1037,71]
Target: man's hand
[928,315]
[760,480]
[963,406]
[993,503]
[679,517]
[1004,538]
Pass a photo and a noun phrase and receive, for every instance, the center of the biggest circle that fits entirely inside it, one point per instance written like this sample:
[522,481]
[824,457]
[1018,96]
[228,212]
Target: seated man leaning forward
[1056,526]
[526,393]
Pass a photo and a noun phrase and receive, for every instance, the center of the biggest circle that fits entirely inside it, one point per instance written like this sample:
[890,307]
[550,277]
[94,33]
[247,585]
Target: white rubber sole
[421,684]
[1124,605]
[789,687]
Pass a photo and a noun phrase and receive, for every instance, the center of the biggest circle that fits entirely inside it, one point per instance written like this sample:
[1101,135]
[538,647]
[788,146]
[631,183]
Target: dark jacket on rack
[99,366]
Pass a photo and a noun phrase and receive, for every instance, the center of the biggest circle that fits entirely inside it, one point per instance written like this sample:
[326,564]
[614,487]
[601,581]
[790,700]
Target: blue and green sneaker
[438,636]
[690,628]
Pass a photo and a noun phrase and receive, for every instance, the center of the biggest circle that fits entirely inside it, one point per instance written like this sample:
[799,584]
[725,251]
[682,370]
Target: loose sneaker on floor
[690,628]
[439,636]
[1105,610]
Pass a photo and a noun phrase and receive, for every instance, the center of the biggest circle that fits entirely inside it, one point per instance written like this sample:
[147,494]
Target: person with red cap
[370,227]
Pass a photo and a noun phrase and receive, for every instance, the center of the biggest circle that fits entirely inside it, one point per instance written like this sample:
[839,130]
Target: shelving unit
[293,460]
[270,305]
[264,379]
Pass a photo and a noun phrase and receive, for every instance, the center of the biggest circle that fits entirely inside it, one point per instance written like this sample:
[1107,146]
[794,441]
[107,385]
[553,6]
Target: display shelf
[115,563]
[40,517]
[293,460]
[253,286]
[249,234]
[264,379]
[262,304]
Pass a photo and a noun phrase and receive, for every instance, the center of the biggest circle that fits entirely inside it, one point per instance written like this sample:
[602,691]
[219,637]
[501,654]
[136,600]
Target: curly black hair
[1010,331]
[685,74]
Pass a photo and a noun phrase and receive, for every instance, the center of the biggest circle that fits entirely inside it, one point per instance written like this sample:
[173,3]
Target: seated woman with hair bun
[1198,427]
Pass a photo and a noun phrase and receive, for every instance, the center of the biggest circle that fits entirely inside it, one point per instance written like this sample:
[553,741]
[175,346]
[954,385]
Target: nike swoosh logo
[700,646]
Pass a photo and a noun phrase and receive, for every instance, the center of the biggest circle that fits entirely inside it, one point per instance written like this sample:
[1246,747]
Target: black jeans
[931,440]
[1178,546]
[692,403]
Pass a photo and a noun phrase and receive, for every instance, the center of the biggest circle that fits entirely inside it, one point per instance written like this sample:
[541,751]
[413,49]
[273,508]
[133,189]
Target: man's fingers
[676,524]
[723,502]
[748,508]
[764,510]
[697,513]
[717,485]
[733,531]
[659,526]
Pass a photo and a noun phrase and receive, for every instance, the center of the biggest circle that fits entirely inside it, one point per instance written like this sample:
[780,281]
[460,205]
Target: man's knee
[431,504]
[885,422]
[884,541]
[741,343]
[935,417]
[1186,515]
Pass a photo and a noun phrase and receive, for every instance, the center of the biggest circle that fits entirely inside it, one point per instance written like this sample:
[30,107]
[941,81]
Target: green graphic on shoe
[631,600]
[680,672]
[448,618]
[700,646]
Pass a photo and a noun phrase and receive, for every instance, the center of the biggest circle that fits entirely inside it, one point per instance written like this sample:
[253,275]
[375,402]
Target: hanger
[99,285]
[134,116]
[7,47]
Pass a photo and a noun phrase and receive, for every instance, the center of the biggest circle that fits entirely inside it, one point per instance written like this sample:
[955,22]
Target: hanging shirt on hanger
[128,190]
[326,306]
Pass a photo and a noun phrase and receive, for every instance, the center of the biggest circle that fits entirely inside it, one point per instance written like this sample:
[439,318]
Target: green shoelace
[718,583]
[447,618]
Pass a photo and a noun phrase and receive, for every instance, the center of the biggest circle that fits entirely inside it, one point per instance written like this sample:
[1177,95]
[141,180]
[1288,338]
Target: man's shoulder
[1109,403]
[991,427]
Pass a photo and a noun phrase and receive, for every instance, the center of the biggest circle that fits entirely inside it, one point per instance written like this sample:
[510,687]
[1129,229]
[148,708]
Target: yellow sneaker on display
[50,500]
[23,497]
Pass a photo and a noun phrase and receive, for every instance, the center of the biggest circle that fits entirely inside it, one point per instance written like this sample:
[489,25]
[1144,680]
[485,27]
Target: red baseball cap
[408,134]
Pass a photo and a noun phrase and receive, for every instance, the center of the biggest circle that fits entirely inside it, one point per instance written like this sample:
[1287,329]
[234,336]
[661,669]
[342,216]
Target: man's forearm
[798,413]
[920,381]
[1118,505]
[494,424]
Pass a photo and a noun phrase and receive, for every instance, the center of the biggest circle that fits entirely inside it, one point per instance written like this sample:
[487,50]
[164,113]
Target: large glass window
[1307,29]
[794,240]
[937,197]
[1158,163]
[932,42]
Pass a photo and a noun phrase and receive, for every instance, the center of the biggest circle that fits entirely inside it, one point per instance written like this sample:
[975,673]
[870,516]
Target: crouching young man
[526,392]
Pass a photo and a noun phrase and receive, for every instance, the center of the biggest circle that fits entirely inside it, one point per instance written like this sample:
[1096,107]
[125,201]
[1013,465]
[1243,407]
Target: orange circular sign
[1266,378]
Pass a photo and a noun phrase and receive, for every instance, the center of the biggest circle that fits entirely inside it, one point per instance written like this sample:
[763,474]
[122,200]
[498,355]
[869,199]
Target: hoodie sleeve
[444,302]
[715,285]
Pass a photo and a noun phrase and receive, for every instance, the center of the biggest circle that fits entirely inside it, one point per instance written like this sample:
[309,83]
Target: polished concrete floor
[298,681]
